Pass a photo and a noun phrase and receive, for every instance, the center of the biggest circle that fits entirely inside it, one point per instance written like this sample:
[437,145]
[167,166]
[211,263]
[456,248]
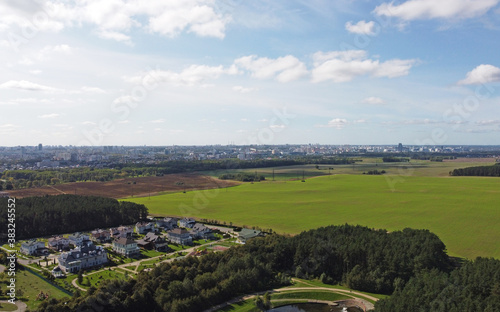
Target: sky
[202,72]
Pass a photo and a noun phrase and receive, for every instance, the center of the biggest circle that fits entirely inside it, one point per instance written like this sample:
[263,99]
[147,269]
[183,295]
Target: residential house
[245,234]
[33,247]
[100,236]
[126,247]
[187,222]
[180,236]
[201,231]
[78,239]
[168,223]
[153,241]
[121,231]
[58,243]
[82,257]
[144,227]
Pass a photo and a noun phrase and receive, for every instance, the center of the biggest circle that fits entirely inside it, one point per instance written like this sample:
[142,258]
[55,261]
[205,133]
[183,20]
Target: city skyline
[207,72]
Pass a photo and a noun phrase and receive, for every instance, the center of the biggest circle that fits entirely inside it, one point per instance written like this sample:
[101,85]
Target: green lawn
[97,278]
[316,295]
[316,283]
[7,307]
[462,211]
[30,286]
[244,306]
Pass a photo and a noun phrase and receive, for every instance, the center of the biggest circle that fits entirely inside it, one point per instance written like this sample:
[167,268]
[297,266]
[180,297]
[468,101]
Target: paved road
[348,293]
[21,306]
[138,262]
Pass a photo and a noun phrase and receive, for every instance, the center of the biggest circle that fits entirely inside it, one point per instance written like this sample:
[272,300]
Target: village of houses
[88,251]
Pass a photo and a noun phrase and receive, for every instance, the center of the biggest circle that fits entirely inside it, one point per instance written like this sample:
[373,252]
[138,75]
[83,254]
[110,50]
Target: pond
[313,307]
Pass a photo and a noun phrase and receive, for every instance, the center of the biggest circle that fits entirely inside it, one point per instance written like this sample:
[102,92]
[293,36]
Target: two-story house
[201,231]
[126,247]
[100,236]
[180,236]
[144,227]
[78,239]
[187,222]
[58,243]
[33,247]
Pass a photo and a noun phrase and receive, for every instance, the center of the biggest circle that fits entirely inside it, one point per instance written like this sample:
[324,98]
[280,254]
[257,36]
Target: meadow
[462,211]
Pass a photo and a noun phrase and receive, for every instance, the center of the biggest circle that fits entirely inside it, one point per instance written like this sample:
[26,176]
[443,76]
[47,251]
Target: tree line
[364,259]
[16,179]
[480,171]
[244,177]
[50,215]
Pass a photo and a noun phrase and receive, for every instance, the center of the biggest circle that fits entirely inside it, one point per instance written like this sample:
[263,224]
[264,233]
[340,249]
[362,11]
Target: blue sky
[130,72]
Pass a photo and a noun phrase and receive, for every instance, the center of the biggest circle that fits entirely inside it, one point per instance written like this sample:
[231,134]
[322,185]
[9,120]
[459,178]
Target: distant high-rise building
[400,147]
[40,146]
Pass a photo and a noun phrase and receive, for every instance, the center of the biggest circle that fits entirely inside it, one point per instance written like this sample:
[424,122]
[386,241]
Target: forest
[50,215]
[16,179]
[480,171]
[363,258]
[474,287]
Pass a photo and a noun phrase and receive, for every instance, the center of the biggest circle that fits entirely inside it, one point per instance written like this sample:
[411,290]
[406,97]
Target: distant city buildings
[53,157]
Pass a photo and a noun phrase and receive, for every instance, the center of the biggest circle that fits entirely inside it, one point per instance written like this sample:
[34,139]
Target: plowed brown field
[121,188]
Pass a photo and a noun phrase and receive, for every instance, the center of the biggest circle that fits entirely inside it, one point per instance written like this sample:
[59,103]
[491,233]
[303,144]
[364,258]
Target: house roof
[249,233]
[124,241]
[178,231]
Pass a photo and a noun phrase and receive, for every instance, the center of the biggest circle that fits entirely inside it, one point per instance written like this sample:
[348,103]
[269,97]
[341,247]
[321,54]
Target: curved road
[349,293]
[21,306]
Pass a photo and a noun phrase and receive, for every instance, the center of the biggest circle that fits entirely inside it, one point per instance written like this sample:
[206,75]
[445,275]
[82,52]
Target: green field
[462,211]
[28,286]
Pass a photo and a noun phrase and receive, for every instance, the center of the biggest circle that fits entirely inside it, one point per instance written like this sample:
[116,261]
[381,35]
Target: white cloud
[114,35]
[337,123]
[373,100]
[430,9]
[26,85]
[87,123]
[242,89]
[361,27]
[158,121]
[35,72]
[283,69]
[343,66]
[198,16]
[93,90]
[49,116]
[112,19]
[481,74]
[192,75]
[488,122]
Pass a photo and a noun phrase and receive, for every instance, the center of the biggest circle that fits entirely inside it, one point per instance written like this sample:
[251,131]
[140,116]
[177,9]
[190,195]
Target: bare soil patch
[137,187]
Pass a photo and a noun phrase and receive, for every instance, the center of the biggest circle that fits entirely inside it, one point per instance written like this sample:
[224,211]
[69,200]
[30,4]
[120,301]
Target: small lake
[311,307]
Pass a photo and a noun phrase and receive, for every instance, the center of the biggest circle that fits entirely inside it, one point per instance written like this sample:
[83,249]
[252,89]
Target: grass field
[31,285]
[462,211]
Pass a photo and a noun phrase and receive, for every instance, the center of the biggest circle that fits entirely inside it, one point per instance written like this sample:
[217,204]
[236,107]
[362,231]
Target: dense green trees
[49,215]
[482,171]
[336,252]
[474,287]
[244,177]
